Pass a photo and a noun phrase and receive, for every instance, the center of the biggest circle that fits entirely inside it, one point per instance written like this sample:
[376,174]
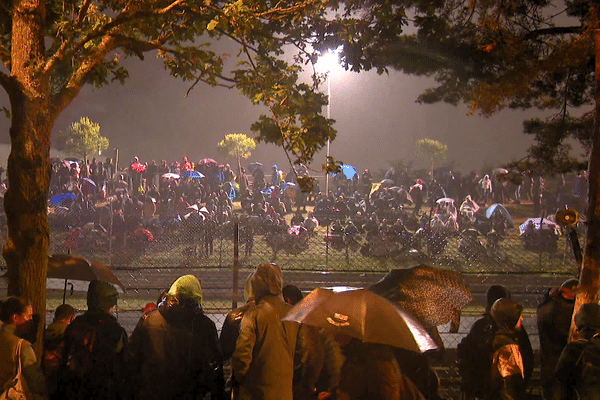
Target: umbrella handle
[65,292]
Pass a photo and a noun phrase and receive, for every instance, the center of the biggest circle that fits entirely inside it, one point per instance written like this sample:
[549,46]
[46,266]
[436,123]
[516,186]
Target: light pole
[329,61]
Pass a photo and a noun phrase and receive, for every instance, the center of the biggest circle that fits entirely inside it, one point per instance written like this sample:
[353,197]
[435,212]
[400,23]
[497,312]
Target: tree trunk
[28,169]
[26,205]
[241,180]
[589,276]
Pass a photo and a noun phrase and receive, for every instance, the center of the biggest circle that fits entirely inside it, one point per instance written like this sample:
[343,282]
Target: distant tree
[433,150]
[238,146]
[83,139]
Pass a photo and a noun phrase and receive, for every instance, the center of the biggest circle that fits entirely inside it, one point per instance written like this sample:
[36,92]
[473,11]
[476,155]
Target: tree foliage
[433,150]
[51,49]
[514,54]
[237,145]
[83,139]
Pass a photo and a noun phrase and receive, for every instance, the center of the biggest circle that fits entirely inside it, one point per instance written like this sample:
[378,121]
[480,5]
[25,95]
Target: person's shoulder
[204,320]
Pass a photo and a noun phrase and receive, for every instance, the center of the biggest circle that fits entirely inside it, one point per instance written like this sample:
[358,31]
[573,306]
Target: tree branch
[559,30]
[62,99]
[123,18]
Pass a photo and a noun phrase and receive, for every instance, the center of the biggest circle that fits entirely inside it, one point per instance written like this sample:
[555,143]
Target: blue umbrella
[254,166]
[268,190]
[57,199]
[348,170]
[497,207]
[192,175]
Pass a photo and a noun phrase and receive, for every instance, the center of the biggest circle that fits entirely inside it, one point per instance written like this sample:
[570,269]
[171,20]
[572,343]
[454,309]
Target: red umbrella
[207,161]
[138,167]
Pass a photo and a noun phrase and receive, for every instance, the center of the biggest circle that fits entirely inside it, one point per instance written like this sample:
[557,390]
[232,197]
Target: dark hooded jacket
[175,351]
[263,361]
[578,368]
[554,316]
[371,371]
[93,365]
[508,372]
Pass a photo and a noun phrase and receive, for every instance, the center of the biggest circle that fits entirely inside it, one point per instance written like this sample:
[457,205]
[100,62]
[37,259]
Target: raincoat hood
[506,313]
[101,295]
[187,287]
[494,293]
[267,280]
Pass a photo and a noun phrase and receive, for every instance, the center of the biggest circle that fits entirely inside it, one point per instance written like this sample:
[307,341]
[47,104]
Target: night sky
[377,118]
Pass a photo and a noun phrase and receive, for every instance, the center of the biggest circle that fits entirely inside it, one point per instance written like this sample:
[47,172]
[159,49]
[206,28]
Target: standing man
[263,360]
[175,348]
[93,364]
[54,345]
[554,317]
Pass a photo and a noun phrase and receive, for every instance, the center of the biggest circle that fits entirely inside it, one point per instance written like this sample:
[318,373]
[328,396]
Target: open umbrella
[88,181]
[445,200]
[192,175]
[170,175]
[57,199]
[364,315]
[539,224]
[207,161]
[430,294]
[254,166]
[349,171]
[138,167]
[75,268]
[497,207]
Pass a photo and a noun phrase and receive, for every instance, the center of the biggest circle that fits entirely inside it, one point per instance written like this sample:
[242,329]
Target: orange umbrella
[364,315]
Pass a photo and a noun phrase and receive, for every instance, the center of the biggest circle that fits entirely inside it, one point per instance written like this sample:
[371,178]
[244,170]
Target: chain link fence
[148,254]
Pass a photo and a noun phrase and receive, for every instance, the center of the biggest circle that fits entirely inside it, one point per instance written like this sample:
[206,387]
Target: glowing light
[330,61]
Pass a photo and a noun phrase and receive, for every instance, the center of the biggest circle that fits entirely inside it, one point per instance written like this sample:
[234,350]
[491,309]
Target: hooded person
[578,368]
[175,352]
[231,326]
[94,361]
[487,324]
[554,315]
[508,372]
[263,360]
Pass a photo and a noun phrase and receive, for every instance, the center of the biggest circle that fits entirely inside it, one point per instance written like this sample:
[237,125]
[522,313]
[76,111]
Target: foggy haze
[377,120]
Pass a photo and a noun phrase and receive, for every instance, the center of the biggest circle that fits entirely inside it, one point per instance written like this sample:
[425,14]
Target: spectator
[54,345]
[263,361]
[371,371]
[554,316]
[231,330]
[93,363]
[179,344]
[16,315]
[508,371]
[578,368]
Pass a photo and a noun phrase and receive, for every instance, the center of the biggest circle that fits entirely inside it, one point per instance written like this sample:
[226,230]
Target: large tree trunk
[590,271]
[26,206]
[25,202]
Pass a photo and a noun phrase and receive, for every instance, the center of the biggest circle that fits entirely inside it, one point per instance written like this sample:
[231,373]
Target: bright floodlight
[330,60]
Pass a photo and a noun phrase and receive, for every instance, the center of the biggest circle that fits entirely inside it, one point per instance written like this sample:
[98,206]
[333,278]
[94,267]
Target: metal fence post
[236,264]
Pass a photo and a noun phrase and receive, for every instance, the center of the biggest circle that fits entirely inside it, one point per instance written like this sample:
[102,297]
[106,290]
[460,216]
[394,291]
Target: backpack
[474,359]
[588,364]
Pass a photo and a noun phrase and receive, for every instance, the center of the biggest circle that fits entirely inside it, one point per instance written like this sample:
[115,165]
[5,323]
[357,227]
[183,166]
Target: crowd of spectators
[393,214]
